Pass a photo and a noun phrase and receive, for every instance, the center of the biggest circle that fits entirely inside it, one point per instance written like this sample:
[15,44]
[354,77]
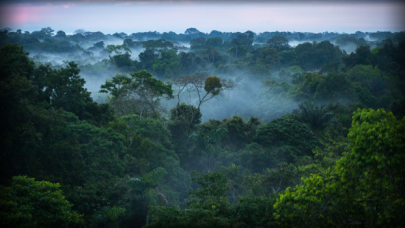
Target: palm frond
[115,212]
[154,177]
[316,117]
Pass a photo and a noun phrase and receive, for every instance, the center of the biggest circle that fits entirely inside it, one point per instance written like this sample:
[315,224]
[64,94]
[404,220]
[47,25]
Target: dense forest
[276,129]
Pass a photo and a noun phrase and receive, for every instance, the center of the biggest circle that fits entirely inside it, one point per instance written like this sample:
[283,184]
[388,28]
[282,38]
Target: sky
[109,16]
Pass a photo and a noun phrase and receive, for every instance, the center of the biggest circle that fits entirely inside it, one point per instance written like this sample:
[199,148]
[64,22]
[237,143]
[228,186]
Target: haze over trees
[219,129]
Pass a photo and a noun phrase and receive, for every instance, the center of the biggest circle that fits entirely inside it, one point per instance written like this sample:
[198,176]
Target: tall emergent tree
[139,94]
[206,88]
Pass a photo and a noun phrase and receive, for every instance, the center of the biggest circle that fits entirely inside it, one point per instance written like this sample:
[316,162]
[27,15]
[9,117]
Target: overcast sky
[230,16]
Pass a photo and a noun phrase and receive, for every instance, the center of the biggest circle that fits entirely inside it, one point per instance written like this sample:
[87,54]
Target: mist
[246,99]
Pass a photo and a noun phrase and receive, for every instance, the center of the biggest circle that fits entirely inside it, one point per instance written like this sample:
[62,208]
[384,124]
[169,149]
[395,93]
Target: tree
[287,58]
[148,57]
[7,30]
[190,31]
[212,55]
[215,42]
[61,34]
[287,131]
[48,31]
[198,43]
[80,31]
[330,67]
[17,96]
[308,84]
[206,88]
[240,132]
[237,49]
[249,38]
[245,39]
[64,88]
[160,44]
[187,62]
[363,188]
[209,206]
[167,65]
[140,93]
[335,87]
[207,144]
[117,49]
[314,55]
[147,187]
[99,44]
[120,59]
[279,43]
[268,57]
[30,203]
[398,108]
[362,56]
[316,117]
[180,117]
[129,43]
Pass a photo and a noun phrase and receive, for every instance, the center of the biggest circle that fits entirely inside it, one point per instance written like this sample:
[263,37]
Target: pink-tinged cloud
[15,15]
[119,16]
[68,5]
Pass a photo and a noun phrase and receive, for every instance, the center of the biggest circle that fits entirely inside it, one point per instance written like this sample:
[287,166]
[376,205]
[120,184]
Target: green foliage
[15,61]
[207,144]
[150,147]
[279,43]
[317,117]
[307,88]
[159,44]
[239,132]
[398,108]
[180,118]
[52,129]
[30,203]
[149,181]
[213,85]
[237,50]
[256,158]
[209,207]
[139,94]
[122,60]
[147,186]
[64,88]
[107,216]
[363,188]
[149,140]
[335,87]
[330,67]
[286,131]
[312,56]
[268,57]
[117,49]
[254,212]
[185,112]
[362,56]
[168,65]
